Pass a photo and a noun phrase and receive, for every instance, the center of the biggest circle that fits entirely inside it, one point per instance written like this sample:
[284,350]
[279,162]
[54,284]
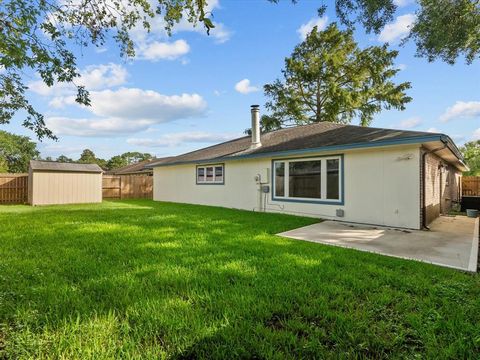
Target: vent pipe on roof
[256,143]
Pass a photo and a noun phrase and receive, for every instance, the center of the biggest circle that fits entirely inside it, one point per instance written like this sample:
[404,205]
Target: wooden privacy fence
[13,188]
[127,187]
[471,186]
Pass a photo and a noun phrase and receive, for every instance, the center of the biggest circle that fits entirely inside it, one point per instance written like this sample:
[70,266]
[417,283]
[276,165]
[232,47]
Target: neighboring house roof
[137,168]
[38,165]
[324,136]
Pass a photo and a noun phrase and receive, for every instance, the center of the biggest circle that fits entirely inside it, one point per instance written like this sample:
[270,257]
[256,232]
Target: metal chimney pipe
[255,127]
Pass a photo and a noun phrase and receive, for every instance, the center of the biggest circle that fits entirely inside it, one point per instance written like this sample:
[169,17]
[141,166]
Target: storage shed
[51,182]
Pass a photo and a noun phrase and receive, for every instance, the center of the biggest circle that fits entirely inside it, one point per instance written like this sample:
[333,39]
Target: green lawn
[138,279]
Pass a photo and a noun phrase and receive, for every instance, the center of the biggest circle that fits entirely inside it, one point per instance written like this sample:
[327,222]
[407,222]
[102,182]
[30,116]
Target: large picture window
[210,174]
[313,179]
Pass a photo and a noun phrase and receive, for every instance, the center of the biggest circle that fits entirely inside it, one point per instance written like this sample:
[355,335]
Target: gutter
[379,143]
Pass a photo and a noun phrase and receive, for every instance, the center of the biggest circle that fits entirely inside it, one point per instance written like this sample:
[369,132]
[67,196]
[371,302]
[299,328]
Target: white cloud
[458,138]
[476,134]
[157,50]
[127,110]
[133,103]
[244,87]
[56,149]
[397,29]
[58,102]
[170,140]
[220,33]
[143,39]
[401,67]
[93,77]
[305,29]
[433,130]
[402,3]
[410,122]
[95,127]
[462,109]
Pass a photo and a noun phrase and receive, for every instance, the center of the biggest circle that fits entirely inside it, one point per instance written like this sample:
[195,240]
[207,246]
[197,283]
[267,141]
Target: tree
[16,151]
[64,159]
[328,78]
[88,157]
[116,162]
[133,157]
[442,29]
[471,153]
[3,165]
[38,37]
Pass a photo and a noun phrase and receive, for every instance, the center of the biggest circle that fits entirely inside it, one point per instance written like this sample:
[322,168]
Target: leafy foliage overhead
[471,153]
[443,29]
[329,78]
[37,37]
[41,36]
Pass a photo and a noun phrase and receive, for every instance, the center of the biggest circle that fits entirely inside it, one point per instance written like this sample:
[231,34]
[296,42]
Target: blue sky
[192,90]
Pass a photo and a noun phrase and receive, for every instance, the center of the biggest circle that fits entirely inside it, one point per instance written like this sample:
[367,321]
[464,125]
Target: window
[316,179]
[305,179]
[210,174]
[280,179]
[333,188]
[200,174]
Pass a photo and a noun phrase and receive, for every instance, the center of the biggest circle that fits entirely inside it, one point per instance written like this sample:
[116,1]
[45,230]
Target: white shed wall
[48,188]
[381,187]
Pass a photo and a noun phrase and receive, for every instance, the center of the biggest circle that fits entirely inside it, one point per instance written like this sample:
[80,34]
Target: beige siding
[65,188]
[382,187]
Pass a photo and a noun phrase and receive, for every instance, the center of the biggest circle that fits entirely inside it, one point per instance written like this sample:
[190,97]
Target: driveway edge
[472,264]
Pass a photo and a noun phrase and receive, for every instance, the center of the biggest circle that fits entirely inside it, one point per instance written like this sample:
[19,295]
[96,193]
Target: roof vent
[256,143]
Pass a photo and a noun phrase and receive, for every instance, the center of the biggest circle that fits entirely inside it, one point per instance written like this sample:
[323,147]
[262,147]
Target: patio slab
[452,241]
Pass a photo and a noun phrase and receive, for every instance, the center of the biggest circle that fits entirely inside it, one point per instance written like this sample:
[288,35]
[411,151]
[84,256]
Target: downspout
[424,198]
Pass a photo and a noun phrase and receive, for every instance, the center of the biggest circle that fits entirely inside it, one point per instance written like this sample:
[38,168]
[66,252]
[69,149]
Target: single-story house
[51,182]
[368,175]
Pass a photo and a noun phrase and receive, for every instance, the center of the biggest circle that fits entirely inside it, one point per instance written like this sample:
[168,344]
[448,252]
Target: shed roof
[40,165]
[305,138]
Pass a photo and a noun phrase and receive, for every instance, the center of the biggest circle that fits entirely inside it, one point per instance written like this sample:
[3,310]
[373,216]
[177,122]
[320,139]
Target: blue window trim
[324,202]
[208,165]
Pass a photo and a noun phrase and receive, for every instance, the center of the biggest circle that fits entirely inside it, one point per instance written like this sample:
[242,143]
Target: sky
[192,90]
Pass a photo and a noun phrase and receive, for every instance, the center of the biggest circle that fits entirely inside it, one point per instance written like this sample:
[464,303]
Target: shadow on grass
[163,279]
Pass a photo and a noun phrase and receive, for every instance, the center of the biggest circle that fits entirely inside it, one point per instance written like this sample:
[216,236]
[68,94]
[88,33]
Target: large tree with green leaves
[443,29]
[88,157]
[16,151]
[43,37]
[471,153]
[329,78]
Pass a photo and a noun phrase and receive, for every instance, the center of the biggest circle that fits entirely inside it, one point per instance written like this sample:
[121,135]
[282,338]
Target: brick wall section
[442,187]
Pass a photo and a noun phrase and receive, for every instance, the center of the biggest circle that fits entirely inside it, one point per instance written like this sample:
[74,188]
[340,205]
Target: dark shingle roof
[137,168]
[303,137]
[66,167]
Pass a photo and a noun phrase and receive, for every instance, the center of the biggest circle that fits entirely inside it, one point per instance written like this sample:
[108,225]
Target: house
[51,182]
[357,174]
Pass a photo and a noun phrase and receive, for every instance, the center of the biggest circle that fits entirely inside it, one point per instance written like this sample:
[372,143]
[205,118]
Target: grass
[138,279]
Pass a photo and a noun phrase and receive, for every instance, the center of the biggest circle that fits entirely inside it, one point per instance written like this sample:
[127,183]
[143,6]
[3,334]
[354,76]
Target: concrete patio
[452,240]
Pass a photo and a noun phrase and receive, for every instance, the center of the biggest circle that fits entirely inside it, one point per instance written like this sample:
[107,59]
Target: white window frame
[323,180]
[215,180]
